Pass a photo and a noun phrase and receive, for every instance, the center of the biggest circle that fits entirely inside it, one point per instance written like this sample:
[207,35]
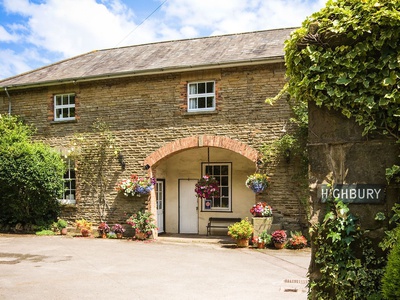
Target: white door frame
[188,207]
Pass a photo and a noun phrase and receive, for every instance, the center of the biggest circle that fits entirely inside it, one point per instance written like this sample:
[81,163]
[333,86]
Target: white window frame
[225,190]
[68,106]
[69,189]
[194,96]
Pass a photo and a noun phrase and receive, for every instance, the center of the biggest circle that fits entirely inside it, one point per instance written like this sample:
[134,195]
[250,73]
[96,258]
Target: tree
[31,176]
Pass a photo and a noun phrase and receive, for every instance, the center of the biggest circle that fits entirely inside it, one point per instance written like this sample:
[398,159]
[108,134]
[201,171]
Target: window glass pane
[58,113]
[210,87]
[225,202]
[201,102]
[58,100]
[224,191]
[72,112]
[192,103]
[224,180]
[209,170]
[210,101]
[217,170]
[71,99]
[224,170]
[193,88]
[201,87]
[65,112]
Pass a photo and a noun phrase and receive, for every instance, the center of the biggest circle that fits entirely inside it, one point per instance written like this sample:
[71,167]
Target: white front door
[188,207]
[160,205]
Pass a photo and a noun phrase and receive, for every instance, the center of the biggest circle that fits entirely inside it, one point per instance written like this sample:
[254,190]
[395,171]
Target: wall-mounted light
[121,160]
[146,167]
[259,162]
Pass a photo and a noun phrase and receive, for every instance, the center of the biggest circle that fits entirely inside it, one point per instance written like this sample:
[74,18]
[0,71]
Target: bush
[391,277]
[31,176]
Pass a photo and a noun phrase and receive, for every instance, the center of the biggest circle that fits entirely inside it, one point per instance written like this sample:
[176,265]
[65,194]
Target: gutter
[9,101]
[74,80]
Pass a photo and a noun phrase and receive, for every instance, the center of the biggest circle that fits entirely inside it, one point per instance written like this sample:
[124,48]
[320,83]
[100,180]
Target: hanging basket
[207,187]
[257,182]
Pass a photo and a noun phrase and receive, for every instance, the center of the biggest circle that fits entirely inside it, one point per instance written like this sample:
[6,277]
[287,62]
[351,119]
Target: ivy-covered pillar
[340,156]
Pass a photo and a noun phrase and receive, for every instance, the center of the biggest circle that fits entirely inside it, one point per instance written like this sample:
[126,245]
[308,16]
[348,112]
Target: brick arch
[202,141]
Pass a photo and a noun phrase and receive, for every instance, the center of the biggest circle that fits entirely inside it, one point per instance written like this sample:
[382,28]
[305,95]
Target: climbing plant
[345,57]
[94,154]
[349,267]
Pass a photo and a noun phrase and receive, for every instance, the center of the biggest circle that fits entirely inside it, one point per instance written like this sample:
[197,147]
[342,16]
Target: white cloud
[13,63]
[5,36]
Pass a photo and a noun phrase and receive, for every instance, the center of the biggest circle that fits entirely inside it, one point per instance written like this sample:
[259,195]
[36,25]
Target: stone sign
[353,193]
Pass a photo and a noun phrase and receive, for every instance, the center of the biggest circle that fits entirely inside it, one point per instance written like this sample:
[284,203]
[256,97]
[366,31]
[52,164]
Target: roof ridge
[197,38]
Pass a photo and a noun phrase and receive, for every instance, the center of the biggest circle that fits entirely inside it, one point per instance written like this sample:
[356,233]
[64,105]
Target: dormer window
[64,107]
[201,96]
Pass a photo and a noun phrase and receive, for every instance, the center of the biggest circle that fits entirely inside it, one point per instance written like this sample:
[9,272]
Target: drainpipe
[9,101]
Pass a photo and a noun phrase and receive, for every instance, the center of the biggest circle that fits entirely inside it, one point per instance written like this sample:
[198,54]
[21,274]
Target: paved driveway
[58,267]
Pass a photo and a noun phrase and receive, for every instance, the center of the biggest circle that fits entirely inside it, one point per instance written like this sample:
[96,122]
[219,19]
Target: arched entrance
[181,163]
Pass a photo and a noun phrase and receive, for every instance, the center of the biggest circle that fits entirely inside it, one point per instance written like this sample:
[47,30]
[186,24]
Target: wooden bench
[214,222]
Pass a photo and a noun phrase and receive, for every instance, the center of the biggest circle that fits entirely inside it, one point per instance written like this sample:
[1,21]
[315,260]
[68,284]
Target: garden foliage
[31,176]
[345,57]
[391,278]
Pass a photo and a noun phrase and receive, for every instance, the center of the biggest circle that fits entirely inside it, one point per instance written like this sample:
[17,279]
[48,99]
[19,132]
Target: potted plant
[279,238]
[143,223]
[262,240]
[257,182]
[241,232]
[84,226]
[261,209]
[136,186]
[62,226]
[103,229]
[296,241]
[207,187]
[118,230]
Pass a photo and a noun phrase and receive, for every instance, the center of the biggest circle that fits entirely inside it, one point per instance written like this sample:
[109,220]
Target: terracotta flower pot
[279,245]
[119,235]
[260,245]
[141,235]
[241,243]
[64,231]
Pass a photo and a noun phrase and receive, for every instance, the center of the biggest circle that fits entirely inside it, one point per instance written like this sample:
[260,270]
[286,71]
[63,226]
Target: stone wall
[339,153]
[146,113]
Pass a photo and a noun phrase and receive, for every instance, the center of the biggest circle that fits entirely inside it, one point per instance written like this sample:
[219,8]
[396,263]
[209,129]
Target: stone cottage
[176,110]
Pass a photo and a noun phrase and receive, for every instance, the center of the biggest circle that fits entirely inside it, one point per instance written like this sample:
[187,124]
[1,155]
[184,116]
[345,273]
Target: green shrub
[31,176]
[391,277]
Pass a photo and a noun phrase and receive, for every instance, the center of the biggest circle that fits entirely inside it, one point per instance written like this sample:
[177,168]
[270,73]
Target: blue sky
[35,33]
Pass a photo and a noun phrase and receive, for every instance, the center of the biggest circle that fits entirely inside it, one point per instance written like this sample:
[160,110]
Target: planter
[261,224]
[104,235]
[64,231]
[85,233]
[119,235]
[141,235]
[260,245]
[279,245]
[241,243]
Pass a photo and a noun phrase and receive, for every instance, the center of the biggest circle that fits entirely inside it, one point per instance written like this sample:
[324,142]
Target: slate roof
[153,58]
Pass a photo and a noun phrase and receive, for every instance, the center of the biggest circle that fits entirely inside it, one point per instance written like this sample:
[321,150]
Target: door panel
[160,205]
[188,207]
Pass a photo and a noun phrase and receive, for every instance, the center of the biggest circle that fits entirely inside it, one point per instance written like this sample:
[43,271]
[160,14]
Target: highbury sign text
[353,193]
